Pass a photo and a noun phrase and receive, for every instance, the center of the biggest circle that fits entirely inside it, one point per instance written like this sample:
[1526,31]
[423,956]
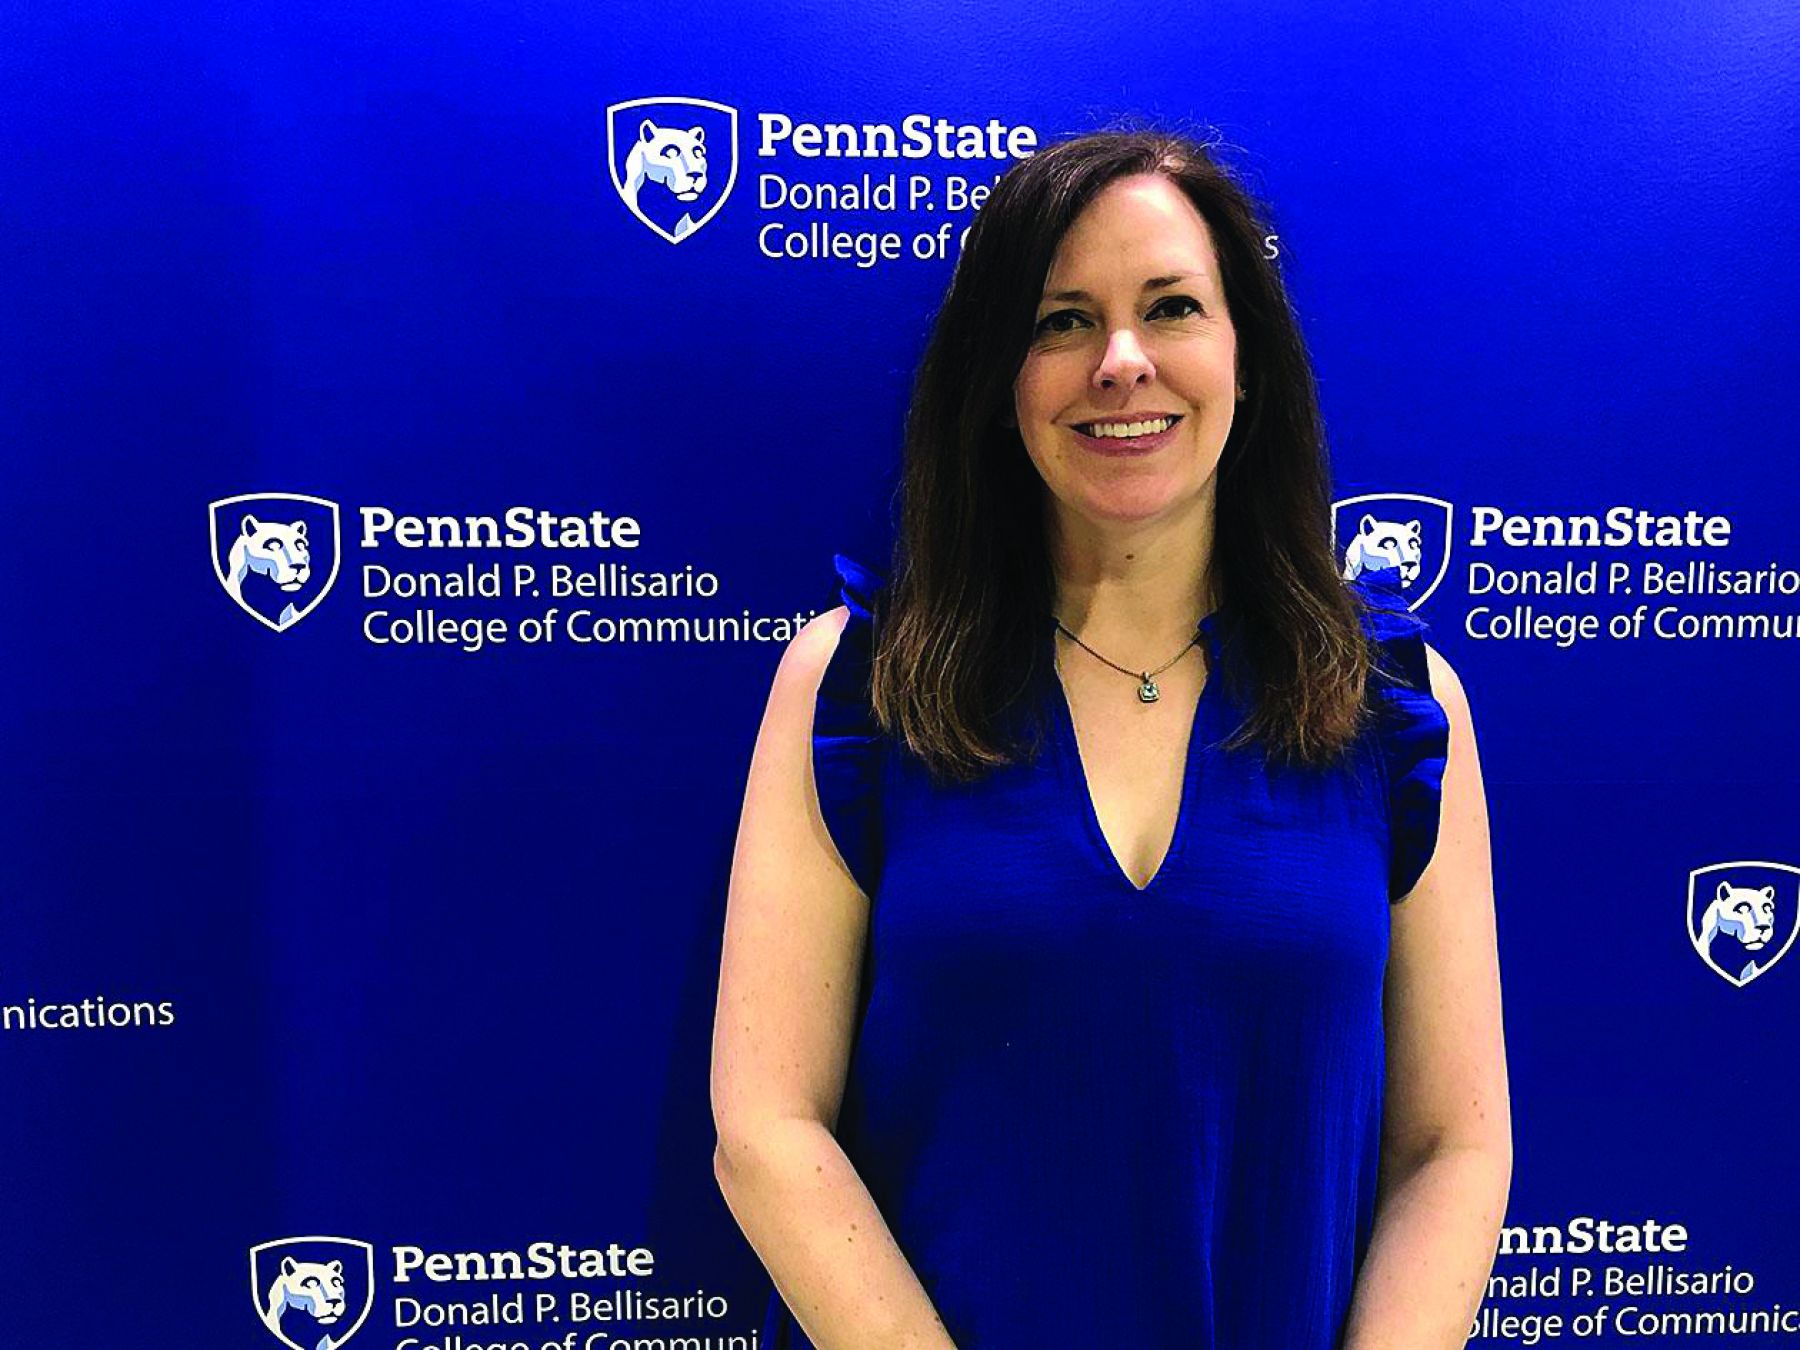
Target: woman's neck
[1136,587]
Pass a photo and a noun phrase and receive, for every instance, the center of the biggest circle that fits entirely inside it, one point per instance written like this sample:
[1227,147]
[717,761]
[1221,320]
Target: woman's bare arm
[795,928]
[1446,1149]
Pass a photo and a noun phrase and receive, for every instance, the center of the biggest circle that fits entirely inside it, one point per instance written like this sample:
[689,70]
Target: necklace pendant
[1148,692]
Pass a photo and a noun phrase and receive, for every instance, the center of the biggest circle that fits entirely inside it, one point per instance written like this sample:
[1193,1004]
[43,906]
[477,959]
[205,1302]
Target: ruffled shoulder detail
[1412,730]
[848,748]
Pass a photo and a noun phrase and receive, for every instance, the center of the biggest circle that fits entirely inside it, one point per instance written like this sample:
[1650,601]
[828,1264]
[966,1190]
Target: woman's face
[1132,322]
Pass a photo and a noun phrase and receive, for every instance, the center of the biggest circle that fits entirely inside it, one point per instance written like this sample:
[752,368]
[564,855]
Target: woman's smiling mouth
[1135,436]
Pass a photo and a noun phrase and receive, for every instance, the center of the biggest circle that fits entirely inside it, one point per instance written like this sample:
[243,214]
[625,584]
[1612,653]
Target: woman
[1067,996]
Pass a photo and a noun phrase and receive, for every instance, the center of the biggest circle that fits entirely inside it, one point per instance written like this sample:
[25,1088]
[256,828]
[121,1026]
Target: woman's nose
[1125,361]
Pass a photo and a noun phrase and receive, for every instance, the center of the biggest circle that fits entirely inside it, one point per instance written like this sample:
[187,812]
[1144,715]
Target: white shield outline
[337,551]
[1762,967]
[612,158]
[1448,535]
[257,1295]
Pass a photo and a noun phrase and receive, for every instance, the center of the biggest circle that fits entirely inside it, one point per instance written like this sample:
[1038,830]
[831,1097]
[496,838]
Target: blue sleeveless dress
[1094,1115]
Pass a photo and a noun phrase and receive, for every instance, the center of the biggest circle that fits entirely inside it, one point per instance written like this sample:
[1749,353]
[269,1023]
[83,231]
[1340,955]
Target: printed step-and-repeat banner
[424,425]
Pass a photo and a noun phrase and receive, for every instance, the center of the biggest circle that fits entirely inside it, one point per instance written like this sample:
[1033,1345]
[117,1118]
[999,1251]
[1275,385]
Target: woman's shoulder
[847,743]
[1409,686]
[830,653]
[1387,617]
[840,643]
[810,651]
[1401,635]
[819,724]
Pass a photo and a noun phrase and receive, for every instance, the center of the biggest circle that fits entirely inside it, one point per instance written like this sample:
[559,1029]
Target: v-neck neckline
[1083,787]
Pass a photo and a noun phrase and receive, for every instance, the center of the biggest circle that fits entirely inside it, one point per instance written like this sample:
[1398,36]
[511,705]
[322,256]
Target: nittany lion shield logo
[313,1293]
[1742,916]
[1401,533]
[275,553]
[667,157]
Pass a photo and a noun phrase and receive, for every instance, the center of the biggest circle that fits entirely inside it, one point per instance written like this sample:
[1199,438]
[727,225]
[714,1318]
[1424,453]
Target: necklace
[1147,690]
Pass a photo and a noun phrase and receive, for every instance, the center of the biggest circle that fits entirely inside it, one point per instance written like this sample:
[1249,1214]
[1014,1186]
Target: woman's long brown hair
[959,625]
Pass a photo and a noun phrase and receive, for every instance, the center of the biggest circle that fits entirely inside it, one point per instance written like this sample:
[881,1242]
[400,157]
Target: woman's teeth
[1125,430]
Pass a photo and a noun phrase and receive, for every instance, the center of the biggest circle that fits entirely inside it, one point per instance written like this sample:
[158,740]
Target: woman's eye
[1046,324]
[1172,307]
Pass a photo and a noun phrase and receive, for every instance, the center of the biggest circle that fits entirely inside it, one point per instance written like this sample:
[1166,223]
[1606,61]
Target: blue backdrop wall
[343,912]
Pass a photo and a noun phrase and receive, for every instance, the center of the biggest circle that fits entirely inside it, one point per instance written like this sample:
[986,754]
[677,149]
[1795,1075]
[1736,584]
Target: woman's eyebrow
[1154,284]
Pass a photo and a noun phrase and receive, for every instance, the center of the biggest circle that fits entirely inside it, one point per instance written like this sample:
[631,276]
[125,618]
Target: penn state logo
[313,1293]
[667,156]
[1402,535]
[1742,916]
[275,553]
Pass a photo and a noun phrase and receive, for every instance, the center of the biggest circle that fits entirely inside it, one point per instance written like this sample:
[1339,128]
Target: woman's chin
[1134,503]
